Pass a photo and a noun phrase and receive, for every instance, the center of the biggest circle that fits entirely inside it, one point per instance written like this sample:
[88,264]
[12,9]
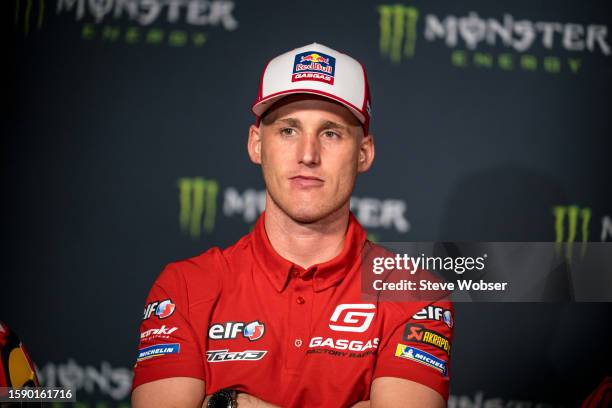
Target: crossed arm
[185,392]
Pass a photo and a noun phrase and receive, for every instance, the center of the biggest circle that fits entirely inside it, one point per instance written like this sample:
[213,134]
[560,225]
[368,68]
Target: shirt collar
[279,270]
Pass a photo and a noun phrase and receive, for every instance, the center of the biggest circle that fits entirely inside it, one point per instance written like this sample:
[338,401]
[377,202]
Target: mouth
[301,181]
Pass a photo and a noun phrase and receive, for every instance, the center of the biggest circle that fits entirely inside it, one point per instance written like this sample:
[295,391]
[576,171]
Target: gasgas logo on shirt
[349,318]
[343,344]
[342,347]
[352,317]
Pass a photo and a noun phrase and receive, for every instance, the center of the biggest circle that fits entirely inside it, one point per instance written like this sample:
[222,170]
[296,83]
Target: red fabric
[601,397]
[322,345]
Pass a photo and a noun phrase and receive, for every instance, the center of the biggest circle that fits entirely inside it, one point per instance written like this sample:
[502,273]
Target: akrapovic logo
[504,42]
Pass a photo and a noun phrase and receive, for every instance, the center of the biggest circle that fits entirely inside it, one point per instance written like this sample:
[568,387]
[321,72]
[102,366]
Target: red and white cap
[315,69]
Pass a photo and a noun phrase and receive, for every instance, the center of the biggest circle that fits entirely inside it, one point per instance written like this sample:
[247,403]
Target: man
[278,318]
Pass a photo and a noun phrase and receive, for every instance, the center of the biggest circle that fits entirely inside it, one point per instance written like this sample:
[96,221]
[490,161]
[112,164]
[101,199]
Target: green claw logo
[198,205]
[37,16]
[574,215]
[398,31]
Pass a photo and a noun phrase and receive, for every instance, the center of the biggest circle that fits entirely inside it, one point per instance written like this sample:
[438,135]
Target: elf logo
[222,331]
[162,309]
[435,313]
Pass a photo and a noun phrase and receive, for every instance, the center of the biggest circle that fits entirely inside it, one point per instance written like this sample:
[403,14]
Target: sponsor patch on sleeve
[435,313]
[160,308]
[420,356]
[420,334]
[157,350]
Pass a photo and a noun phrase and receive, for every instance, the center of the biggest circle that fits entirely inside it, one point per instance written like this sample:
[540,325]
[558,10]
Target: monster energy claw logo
[198,205]
[398,24]
[37,16]
[574,214]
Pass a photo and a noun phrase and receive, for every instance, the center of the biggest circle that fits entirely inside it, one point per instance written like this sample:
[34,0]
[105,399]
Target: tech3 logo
[578,219]
[32,10]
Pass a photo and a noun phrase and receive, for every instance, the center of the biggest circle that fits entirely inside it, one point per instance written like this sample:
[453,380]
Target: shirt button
[295,273]
[298,342]
[300,300]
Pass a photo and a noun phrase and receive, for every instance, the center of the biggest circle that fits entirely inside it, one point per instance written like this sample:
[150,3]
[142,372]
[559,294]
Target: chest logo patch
[352,317]
[231,330]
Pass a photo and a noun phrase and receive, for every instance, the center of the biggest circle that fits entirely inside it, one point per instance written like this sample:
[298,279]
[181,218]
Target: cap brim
[262,106]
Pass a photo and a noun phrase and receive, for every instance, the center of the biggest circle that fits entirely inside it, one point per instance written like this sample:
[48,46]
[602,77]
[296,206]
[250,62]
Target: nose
[309,151]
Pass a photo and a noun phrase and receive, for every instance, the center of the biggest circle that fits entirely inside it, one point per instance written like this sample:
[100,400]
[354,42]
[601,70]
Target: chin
[307,214]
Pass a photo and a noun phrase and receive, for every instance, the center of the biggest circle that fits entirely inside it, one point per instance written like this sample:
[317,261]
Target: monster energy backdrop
[125,148]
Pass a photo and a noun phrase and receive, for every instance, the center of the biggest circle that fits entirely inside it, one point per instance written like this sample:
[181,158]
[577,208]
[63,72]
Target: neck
[306,244]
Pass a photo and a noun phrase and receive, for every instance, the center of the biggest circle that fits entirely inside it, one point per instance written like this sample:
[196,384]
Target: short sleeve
[418,347]
[168,343]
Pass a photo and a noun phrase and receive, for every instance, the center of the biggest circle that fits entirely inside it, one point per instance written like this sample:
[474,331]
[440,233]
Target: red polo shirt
[248,319]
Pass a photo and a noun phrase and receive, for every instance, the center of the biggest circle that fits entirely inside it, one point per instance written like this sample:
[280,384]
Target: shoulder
[201,277]
[400,304]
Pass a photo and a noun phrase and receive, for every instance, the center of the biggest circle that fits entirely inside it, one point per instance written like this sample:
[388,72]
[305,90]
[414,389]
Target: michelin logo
[158,350]
[420,356]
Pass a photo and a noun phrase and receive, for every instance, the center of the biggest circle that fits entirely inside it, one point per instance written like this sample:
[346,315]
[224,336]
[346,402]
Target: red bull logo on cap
[314,66]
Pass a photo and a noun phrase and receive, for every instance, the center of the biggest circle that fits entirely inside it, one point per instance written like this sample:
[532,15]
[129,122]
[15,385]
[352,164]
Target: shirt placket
[300,312]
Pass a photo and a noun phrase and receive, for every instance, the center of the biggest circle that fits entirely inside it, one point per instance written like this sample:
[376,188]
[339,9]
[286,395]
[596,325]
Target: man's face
[310,150]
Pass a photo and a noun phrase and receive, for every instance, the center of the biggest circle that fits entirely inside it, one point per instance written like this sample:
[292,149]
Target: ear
[366,153]
[254,144]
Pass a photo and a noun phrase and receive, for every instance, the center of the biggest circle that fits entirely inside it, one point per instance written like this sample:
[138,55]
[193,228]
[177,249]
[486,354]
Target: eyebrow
[289,122]
[328,124]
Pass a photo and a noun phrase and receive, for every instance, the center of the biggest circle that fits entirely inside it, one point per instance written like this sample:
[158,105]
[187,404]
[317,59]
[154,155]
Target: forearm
[249,401]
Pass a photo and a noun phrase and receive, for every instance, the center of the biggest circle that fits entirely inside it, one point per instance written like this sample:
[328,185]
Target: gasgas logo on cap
[314,66]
